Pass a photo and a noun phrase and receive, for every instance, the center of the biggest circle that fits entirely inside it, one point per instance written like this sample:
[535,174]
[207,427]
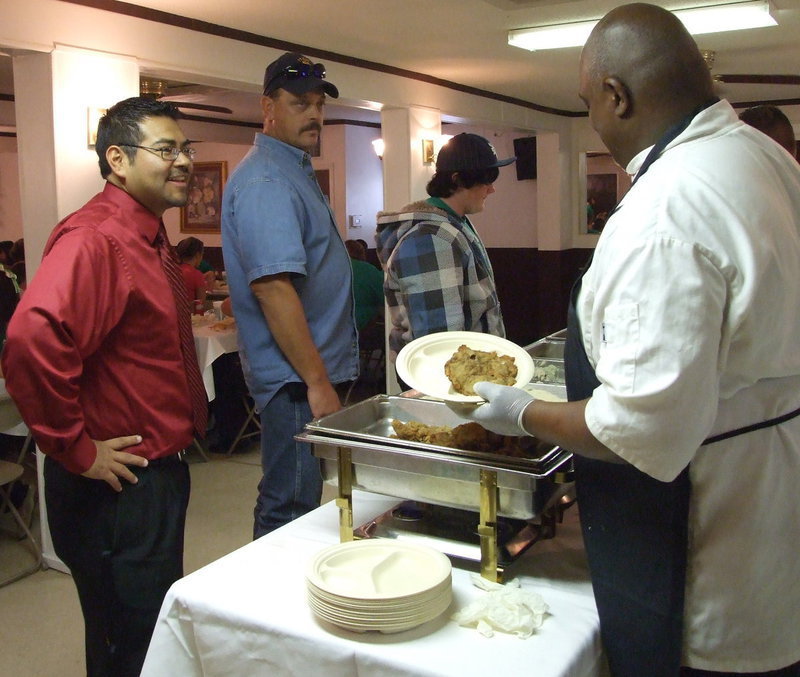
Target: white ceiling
[465,42]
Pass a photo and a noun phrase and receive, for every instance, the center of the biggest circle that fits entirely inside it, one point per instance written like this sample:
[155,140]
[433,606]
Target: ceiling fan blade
[751,79]
[202,106]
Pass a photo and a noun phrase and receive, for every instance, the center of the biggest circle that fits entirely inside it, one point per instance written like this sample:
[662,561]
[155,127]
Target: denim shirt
[275,219]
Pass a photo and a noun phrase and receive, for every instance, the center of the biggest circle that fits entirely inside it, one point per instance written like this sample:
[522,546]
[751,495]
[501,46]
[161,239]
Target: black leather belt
[166,460]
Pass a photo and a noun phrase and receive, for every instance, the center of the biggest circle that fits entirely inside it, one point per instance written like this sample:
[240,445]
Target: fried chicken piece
[467,436]
[466,367]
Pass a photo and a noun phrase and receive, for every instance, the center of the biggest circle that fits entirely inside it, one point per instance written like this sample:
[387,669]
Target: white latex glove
[503,410]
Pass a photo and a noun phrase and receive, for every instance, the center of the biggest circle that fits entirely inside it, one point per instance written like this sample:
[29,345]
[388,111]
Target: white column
[58,169]
[404,173]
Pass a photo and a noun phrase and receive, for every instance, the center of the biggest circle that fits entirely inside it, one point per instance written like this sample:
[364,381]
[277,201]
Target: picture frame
[601,199]
[203,211]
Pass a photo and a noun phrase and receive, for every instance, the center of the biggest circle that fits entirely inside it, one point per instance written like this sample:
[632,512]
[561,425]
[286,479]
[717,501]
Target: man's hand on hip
[111,463]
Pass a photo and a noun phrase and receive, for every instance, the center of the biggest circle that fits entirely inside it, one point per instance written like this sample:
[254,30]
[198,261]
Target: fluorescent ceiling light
[698,20]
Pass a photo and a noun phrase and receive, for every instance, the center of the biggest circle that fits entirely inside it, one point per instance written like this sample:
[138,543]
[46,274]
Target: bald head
[647,53]
[773,122]
[649,49]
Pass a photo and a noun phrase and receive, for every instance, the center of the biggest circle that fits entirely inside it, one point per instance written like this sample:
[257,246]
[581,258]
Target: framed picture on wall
[203,211]
[601,199]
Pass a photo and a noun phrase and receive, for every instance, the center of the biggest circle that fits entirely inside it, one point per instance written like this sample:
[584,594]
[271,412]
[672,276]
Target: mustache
[312,127]
[179,175]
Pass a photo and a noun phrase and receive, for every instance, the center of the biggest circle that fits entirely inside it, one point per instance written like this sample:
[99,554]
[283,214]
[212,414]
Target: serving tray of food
[529,472]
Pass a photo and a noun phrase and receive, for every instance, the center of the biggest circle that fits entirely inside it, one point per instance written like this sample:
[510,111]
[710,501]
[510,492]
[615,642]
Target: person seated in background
[17,251]
[18,269]
[367,284]
[773,122]
[208,272]
[9,298]
[5,251]
[190,252]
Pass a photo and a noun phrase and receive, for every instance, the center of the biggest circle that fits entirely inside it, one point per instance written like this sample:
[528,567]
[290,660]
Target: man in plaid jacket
[438,274]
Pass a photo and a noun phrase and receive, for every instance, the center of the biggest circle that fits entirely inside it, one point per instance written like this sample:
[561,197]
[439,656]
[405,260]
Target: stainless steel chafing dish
[548,358]
[357,450]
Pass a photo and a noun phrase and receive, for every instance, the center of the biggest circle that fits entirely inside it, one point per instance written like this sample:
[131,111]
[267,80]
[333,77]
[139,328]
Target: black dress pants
[124,550]
[790,671]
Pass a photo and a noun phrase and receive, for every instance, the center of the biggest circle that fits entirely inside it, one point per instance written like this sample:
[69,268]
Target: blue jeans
[291,484]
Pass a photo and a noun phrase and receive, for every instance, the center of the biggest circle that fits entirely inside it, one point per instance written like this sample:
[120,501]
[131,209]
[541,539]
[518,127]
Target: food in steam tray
[467,436]
[467,367]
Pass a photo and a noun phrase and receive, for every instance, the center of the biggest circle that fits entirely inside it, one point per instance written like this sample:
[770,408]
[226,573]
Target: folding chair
[371,348]
[10,473]
[251,418]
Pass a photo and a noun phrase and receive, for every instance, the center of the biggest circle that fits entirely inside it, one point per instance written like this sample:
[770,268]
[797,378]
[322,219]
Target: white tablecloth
[210,344]
[246,614]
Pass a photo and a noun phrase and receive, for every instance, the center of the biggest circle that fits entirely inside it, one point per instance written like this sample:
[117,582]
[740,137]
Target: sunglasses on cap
[303,70]
[297,71]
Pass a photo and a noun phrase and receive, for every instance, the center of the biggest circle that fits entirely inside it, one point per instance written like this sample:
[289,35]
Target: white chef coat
[690,314]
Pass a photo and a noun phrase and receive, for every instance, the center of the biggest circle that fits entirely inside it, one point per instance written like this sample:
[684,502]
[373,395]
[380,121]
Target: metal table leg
[487,529]
[344,501]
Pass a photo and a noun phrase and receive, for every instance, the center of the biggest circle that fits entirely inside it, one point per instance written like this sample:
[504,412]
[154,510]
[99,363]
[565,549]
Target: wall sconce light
[428,153]
[92,119]
[378,146]
[443,141]
[730,16]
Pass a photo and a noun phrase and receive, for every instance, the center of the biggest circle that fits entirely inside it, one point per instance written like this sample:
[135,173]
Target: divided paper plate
[421,362]
[380,585]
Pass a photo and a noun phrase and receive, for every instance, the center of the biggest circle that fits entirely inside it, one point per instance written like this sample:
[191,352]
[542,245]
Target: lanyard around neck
[668,137]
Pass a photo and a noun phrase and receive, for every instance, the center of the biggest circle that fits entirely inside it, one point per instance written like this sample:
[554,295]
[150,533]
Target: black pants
[124,550]
[229,414]
[790,671]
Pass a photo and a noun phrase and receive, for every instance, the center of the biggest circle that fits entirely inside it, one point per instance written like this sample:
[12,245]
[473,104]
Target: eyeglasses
[169,154]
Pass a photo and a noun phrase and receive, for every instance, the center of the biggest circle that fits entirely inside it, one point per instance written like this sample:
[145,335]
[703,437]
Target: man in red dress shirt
[95,364]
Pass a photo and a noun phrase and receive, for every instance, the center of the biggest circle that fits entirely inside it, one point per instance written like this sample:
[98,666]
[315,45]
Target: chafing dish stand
[356,451]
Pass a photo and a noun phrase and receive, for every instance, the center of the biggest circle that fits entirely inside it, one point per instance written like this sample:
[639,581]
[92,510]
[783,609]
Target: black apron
[635,528]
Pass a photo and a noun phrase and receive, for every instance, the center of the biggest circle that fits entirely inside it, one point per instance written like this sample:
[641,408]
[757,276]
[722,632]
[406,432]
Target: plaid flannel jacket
[438,275]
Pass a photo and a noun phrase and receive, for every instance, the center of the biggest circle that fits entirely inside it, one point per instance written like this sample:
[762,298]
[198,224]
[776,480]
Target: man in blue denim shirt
[291,289]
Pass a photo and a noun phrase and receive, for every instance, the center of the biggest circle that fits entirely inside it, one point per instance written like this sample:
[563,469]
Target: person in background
[190,253]
[100,362]
[684,414]
[18,269]
[773,122]
[5,252]
[208,272]
[367,284]
[438,274]
[17,252]
[9,298]
[291,287]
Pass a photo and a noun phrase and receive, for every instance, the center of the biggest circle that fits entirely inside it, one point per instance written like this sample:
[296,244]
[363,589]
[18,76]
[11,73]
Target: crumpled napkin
[505,608]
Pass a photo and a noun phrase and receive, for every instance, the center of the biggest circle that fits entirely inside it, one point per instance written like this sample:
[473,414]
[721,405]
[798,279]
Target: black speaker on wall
[525,150]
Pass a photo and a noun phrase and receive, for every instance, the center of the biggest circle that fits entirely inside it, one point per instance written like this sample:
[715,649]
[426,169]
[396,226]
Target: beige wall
[182,54]
[10,209]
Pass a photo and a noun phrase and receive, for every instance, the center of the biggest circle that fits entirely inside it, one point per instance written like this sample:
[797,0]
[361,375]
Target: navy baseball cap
[297,74]
[466,152]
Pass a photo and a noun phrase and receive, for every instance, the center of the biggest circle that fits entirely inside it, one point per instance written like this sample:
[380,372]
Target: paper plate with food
[446,365]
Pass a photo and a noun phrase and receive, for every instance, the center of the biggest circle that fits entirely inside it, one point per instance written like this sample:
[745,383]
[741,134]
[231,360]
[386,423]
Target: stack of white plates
[380,584]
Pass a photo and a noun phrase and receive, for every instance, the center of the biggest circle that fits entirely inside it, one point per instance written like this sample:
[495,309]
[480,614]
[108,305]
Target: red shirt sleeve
[75,299]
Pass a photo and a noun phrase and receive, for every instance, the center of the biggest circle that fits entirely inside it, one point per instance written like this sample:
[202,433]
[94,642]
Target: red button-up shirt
[93,350]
